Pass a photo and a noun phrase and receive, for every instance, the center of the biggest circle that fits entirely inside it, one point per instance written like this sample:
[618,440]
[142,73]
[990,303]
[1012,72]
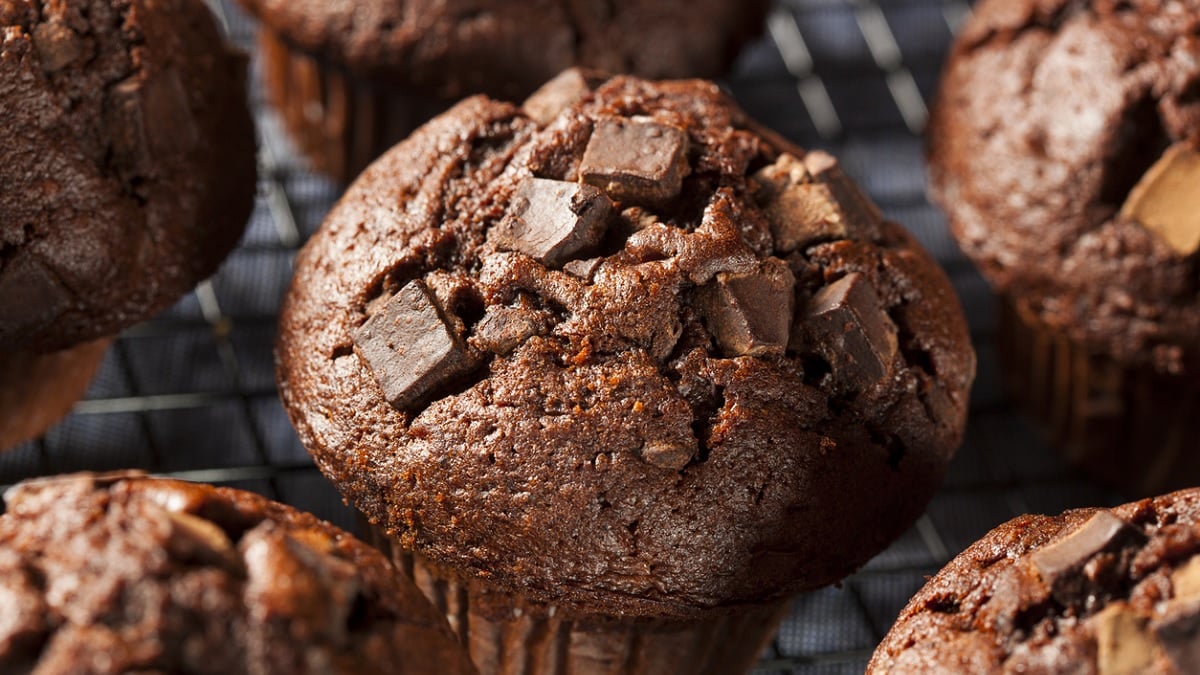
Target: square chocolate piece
[636,161]
[750,313]
[847,324]
[552,220]
[410,346]
[1166,200]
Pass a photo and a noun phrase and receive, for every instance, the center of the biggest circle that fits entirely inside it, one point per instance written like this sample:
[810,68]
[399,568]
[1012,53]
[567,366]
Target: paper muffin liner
[1132,428]
[340,121]
[508,633]
[37,390]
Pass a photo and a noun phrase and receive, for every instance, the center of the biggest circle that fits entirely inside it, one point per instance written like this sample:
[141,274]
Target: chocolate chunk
[58,46]
[1123,643]
[31,296]
[1167,199]
[503,329]
[565,90]
[196,538]
[410,347]
[667,455]
[860,213]
[553,220]
[151,117]
[1101,532]
[1178,633]
[634,161]
[846,324]
[1185,580]
[800,211]
[584,269]
[750,313]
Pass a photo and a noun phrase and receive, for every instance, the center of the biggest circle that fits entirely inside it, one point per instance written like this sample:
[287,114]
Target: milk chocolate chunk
[636,161]
[801,212]
[58,46]
[1185,580]
[1101,532]
[410,346]
[667,455]
[503,329]
[846,323]
[1166,200]
[1178,633]
[553,220]
[584,269]
[563,91]
[1123,643]
[860,214]
[750,313]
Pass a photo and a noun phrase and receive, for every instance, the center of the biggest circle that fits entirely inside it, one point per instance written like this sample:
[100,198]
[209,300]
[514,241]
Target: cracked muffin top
[507,49]
[1088,592]
[624,350]
[126,163]
[123,573]
[1065,147]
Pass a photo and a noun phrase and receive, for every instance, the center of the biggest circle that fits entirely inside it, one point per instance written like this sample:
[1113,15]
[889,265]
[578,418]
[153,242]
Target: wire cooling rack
[191,393]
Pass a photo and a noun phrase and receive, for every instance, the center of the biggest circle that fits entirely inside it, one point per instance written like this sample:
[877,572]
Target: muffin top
[124,573]
[507,49]
[623,350]
[1091,591]
[126,163]
[1065,147]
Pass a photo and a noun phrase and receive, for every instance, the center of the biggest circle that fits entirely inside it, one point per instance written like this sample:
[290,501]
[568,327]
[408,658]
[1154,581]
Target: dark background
[191,393]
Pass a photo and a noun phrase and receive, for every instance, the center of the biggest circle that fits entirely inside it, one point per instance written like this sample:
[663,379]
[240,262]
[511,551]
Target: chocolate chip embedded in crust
[1178,633]
[1123,644]
[565,90]
[750,313]
[150,116]
[800,211]
[1102,531]
[553,220]
[667,455]
[846,324]
[58,46]
[503,329]
[1185,580]
[410,347]
[584,269]
[634,161]
[195,537]
[1167,199]
[31,296]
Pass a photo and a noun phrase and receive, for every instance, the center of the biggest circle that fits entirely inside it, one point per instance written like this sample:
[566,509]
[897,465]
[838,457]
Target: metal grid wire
[191,394]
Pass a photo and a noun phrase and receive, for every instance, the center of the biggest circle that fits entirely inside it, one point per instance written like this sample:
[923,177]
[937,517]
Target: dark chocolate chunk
[667,455]
[151,117]
[1178,633]
[503,329]
[801,212]
[31,296]
[410,347]
[553,220]
[847,325]
[563,91]
[750,313]
[635,161]
[58,46]
[584,269]
[1101,532]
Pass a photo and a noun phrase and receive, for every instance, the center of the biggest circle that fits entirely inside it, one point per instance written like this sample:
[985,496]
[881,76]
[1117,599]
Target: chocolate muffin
[127,172]
[125,573]
[624,375]
[352,78]
[1065,148]
[1103,591]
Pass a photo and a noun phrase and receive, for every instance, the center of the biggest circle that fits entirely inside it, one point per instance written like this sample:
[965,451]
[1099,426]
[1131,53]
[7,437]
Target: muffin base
[37,390]
[508,633]
[1134,429]
[339,121]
